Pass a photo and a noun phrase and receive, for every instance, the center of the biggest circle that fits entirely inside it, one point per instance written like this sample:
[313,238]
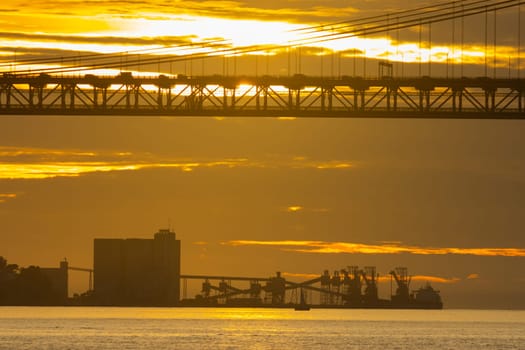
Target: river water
[225,328]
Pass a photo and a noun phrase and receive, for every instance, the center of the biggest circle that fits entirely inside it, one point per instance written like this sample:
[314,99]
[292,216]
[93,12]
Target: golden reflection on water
[262,314]
[109,328]
[152,313]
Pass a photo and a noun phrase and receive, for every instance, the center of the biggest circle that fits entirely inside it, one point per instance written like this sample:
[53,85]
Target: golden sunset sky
[446,198]
[308,37]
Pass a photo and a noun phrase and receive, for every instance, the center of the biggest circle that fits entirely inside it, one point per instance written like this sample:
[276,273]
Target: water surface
[225,328]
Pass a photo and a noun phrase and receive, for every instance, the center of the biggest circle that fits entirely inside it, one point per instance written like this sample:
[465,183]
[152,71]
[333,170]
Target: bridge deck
[295,96]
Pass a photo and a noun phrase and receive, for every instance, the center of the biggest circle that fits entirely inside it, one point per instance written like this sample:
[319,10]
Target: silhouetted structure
[33,285]
[348,288]
[133,271]
[296,96]
[58,279]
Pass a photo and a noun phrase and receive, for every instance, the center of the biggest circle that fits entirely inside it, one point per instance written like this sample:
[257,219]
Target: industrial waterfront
[147,272]
[447,191]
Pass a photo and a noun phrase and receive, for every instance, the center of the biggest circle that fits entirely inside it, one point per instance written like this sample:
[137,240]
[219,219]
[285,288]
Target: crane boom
[393,273]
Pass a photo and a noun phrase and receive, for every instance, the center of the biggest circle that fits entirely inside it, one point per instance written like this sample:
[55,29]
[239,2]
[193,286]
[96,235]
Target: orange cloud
[40,163]
[360,248]
[305,276]
[6,151]
[36,163]
[72,169]
[288,10]
[424,278]
[383,278]
[303,162]
[435,279]
[294,208]
[334,165]
[298,208]
[6,196]
[68,169]
[473,276]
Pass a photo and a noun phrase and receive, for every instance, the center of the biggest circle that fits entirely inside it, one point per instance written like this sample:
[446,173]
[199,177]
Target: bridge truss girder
[341,97]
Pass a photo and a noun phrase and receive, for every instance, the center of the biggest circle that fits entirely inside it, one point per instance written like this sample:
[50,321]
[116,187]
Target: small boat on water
[302,306]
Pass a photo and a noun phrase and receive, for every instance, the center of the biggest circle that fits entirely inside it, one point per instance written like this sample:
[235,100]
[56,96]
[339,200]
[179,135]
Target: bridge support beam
[424,100]
[136,93]
[5,89]
[392,98]
[457,99]
[95,97]
[71,90]
[521,97]
[342,97]
[490,100]
[327,98]
[258,89]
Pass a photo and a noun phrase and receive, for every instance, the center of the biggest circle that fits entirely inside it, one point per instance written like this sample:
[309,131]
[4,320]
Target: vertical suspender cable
[429,49]
[494,48]
[486,39]
[397,46]
[462,37]
[453,40]
[519,40]
[420,53]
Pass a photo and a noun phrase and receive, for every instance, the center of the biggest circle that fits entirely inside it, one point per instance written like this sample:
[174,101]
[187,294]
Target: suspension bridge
[456,73]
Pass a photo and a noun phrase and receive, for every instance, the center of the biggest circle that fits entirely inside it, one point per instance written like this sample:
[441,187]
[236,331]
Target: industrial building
[141,272]
[58,280]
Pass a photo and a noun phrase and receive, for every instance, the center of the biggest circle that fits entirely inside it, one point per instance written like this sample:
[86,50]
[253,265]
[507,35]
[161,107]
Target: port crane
[342,289]
[400,274]
[370,277]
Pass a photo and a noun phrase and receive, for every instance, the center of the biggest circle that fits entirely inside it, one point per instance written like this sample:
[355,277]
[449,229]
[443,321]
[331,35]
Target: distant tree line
[25,286]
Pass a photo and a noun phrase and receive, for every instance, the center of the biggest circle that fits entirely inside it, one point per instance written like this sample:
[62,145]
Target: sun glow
[232,29]
[238,32]
[155,34]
